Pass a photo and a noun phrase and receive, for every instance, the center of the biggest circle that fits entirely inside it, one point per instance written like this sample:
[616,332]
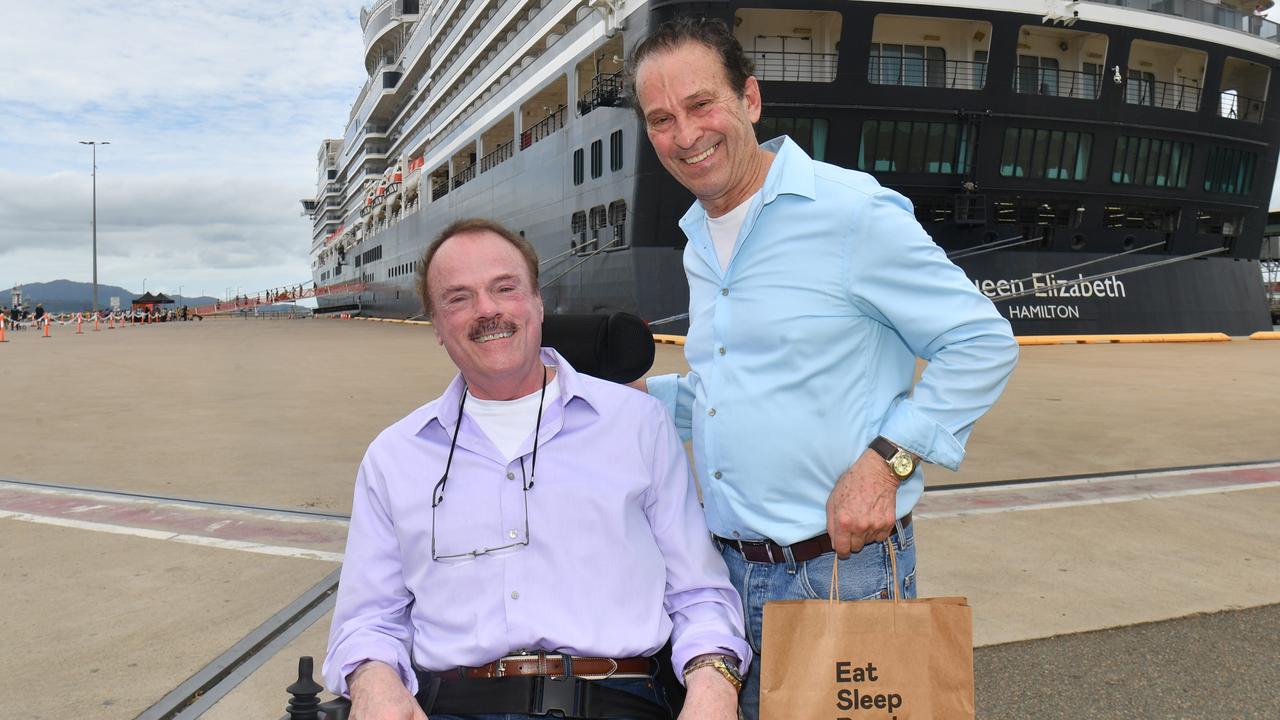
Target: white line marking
[1054,504]
[277,550]
[188,505]
[940,491]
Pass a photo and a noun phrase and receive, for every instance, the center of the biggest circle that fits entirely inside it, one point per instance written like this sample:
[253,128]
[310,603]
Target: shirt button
[724,291]
[712,412]
[513,534]
[515,594]
[721,349]
[717,475]
[511,476]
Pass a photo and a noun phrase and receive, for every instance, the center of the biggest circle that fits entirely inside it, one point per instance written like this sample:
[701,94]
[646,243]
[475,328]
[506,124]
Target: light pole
[94,145]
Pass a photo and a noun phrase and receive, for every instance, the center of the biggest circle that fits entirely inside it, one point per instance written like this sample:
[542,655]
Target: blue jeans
[649,689]
[863,576]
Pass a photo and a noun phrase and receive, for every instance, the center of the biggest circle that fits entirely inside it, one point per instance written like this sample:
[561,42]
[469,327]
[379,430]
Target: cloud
[214,112]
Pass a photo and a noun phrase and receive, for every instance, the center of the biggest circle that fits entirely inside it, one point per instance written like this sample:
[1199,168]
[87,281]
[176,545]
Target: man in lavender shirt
[526,541]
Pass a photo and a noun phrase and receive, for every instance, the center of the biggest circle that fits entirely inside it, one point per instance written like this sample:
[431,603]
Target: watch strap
[884,448]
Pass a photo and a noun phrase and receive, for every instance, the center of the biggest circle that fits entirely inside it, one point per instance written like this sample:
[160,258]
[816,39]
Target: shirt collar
[791,173]
[445,408]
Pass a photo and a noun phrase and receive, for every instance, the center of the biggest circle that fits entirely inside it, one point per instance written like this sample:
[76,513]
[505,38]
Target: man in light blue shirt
[812,291]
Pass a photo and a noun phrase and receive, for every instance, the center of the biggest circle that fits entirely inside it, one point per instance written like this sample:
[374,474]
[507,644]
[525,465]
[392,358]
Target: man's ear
[751,96]
[435,329]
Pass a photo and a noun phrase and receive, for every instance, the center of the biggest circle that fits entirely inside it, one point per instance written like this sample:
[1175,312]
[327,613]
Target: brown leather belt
[590,668]
[768,551]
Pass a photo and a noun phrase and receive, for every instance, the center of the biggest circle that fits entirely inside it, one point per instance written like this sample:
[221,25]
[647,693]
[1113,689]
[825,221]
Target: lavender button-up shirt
[618,555]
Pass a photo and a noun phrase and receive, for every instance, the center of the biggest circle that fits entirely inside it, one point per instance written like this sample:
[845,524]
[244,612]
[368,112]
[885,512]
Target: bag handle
[895,592]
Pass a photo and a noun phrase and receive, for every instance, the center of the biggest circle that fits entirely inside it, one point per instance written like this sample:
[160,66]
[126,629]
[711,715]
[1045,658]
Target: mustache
[490,326]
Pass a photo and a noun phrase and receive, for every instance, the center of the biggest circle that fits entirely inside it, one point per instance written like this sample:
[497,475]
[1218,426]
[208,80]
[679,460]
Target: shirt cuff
[366,652]
[911,430]
[691,648]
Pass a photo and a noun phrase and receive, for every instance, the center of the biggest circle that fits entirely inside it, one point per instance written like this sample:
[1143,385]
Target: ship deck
[270,417]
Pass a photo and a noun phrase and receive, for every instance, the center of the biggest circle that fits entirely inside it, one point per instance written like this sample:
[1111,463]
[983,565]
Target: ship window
[1243,90]
[1165,76]
[809,133]
[912,65]
[1142,217]
[578,231]
[599,217]
[1037,76]
[597,159]
[577,166]
[1230,171]
[615,151]
[1045,154]
[618,221]
[1217,222]
[806,50]
[1151,162]
[915,147]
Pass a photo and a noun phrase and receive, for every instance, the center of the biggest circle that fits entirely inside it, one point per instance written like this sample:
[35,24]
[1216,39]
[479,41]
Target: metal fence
[794,66]
[500,154]
[1240,107]
[551,123]
[1057,83]
[919,72]
[1161,94]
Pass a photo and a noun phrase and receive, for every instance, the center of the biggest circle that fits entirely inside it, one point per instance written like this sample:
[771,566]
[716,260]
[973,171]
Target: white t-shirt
[724,230]
[508,423]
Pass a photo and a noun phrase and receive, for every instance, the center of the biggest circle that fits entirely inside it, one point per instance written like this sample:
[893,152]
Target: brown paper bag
[867,660]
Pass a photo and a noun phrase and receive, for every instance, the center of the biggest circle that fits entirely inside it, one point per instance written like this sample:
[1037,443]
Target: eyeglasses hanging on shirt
[526,482]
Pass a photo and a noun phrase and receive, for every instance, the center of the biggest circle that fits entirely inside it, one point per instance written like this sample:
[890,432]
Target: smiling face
[487,313]
[700,128]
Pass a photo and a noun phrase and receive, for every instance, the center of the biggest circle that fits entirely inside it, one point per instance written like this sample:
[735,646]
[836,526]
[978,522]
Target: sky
[215,112]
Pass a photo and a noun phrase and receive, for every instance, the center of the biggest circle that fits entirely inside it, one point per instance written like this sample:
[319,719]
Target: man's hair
[470,225]
[711,33]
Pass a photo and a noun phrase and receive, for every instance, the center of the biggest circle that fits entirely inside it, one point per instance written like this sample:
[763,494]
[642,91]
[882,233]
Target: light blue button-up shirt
[803,350]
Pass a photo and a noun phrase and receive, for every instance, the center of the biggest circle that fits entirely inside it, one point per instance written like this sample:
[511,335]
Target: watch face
[902,465]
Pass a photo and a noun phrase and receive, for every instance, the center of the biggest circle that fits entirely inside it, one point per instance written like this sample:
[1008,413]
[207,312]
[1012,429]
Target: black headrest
[617,347]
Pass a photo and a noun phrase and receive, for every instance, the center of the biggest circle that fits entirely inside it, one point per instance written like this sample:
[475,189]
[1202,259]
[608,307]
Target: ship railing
[1240,107]
[439,188]
[1207,12]
[500,154]
[545,127]
[605,91]
[465,175]
[921,72]
[1161,94]
[794,66]
[1052,82]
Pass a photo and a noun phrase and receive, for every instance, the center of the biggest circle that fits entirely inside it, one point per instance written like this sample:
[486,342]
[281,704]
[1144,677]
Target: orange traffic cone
[2,329]
[95,323]
[46,326]
[79,325]
[111,322]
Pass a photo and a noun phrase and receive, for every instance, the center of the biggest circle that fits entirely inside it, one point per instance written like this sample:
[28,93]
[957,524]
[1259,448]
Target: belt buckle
[555,695]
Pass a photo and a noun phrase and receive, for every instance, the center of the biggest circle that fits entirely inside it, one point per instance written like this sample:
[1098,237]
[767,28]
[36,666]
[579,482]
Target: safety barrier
[113,320]
[1265,335]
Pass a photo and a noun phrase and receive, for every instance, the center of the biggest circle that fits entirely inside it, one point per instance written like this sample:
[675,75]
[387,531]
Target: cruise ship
[1094,167]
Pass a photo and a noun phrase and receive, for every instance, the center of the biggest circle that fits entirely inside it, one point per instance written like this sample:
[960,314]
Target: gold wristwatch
[726,665]
[901,462]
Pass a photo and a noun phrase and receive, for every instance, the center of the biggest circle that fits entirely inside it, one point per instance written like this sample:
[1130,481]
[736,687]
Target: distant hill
[69,296]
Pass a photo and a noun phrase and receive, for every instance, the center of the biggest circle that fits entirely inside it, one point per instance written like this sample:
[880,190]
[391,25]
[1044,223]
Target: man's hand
[378,694]
[862,507]
[711,696]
